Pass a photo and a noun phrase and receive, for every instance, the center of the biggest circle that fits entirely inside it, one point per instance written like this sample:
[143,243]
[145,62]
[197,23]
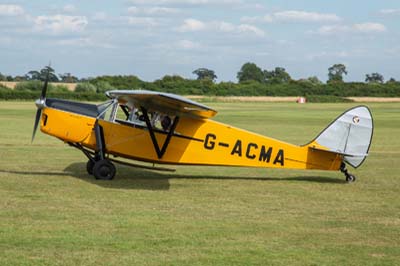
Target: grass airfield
[53,213]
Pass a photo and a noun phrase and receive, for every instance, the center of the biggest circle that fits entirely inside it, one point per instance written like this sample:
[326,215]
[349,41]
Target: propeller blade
[44,90]
[40,103]
[37,120]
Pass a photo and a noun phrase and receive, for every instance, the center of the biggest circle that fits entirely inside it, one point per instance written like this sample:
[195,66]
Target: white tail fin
[350,135]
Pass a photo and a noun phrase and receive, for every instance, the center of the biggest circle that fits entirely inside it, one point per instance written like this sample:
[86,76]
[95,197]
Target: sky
[151,39]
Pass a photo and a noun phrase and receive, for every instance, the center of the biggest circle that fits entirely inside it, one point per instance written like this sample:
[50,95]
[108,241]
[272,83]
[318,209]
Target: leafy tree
[68,78]
[42,74]
[3,77]
[250,71]
[20,78]
[173,78]
[277,76]
[314,80]
[392,81]
[33,75]
[205,74]
[52,76]
[336,72]
[374,78]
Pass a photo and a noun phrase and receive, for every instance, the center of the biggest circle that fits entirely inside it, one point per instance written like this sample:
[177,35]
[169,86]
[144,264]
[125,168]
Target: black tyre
[104,170]
[350,178]
[89,167]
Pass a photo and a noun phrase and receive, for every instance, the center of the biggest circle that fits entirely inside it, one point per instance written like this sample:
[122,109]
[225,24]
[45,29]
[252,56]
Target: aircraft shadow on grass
[142,179]
[134,178]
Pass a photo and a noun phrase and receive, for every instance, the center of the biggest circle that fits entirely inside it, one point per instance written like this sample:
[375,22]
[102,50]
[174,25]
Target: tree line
[252,81]
[248,72]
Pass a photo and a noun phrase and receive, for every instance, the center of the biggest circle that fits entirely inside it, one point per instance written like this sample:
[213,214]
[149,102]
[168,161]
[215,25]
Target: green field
[53,213]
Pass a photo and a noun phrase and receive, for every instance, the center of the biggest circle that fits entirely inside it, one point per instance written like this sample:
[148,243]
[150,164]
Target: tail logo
[356,119]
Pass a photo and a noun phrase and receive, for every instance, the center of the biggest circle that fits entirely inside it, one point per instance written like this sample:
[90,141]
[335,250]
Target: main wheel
[104,170]
[350,178]
[89,167]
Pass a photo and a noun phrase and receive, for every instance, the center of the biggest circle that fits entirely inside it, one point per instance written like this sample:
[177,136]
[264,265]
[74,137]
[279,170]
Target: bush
[120,82]
[102,86]
[85,87]
[2,87]
[59,88]
[34,85]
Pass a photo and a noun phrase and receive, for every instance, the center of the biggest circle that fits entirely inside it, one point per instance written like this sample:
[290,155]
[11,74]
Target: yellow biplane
[164,128]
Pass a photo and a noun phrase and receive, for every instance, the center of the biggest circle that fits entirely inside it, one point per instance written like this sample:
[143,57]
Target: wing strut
[160,152]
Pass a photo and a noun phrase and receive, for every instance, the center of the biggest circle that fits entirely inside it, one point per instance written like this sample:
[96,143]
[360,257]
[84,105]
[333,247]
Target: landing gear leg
[102,168]
[98,165]
[349,177]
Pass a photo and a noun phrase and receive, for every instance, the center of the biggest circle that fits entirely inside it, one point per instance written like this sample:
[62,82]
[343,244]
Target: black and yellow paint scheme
[190,137]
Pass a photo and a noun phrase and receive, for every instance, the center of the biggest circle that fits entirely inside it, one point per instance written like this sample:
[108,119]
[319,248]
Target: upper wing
[168,103]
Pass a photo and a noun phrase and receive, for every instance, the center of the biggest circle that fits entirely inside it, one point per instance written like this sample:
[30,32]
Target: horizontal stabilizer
[341,153]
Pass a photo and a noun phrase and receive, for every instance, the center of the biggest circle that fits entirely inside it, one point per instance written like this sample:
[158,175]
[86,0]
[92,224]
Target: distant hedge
[327,99]
[93,90]
[32,95]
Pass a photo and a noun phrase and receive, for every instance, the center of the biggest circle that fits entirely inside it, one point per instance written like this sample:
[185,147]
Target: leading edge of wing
[161,101]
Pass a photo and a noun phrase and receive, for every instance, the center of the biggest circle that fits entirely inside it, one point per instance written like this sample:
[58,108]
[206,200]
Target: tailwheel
[350,178]
[104,170]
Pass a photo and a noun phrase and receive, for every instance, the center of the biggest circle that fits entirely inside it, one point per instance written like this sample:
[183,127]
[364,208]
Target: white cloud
[257,19]
[192,25]
[100,16]
[302,16]
[225,26]
[390,11]
[143,21]
[60,23]
[367,27]
[321,55]
[333,29]
[153,10]
[11,10]
[185,2]
[293,16]
[69,8]
[84,42]
[245,28]
[188,45]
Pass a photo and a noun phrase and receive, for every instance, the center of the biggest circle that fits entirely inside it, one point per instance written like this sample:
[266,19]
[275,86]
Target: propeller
[40,103]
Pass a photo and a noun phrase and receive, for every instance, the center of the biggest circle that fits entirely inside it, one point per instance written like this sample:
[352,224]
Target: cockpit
[130,115]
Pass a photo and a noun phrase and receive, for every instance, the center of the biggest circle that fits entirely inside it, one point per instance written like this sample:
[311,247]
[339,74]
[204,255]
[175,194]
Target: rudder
[350,135]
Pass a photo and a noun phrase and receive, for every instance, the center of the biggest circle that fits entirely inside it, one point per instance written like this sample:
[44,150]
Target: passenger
[166,123]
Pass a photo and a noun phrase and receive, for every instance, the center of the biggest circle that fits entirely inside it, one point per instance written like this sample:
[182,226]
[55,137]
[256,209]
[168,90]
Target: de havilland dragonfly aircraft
[164,128]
